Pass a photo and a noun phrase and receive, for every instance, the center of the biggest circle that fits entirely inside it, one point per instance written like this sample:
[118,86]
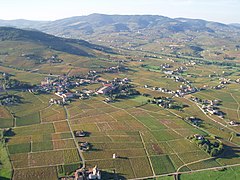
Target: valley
[137,108]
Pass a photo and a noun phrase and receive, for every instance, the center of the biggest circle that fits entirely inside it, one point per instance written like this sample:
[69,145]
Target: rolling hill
[179,36]
[146,33]
[76,47]
[31,49]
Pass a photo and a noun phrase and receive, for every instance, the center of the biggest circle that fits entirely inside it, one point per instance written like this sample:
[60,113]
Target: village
[212,107]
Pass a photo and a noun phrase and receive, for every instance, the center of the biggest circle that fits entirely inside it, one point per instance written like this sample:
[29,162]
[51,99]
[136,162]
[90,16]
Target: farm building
[92,173]
[80,133]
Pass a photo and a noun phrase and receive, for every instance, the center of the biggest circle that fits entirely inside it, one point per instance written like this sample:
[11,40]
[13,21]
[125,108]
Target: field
[6,168]
[228,173]
[5,118]
[137,134]
[43,140]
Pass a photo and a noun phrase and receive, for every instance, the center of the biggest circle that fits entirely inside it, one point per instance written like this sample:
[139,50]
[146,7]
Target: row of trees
[166,102]
[7,83]
[10,99]
[123,91]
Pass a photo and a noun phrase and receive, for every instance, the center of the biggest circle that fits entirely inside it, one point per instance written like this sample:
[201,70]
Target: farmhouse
[233,123]
[168,72]
[57,101]
[65,95]
[85,146]
[94,173]
[80,133]
[91,174]
[199,137]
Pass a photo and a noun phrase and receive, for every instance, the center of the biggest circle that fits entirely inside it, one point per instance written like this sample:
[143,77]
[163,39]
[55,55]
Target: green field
[228,173]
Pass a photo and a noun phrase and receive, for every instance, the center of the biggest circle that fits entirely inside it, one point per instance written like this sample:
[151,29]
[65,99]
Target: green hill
[71,46]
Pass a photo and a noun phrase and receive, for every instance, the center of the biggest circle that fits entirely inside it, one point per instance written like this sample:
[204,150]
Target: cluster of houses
[115,69]
[112,85]
[164,102]
[62,85]
[57,101]
[182,91]
[218,87]
[185,89]
[6,100]
[224,81]
[40,59]
[180,69]
[166,66]
[210,106]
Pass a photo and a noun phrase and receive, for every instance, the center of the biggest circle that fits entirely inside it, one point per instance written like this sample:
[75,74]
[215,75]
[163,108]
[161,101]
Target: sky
[225,11]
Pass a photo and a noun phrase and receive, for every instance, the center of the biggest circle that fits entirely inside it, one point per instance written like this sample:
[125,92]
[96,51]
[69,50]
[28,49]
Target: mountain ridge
[151,33]
[52,42]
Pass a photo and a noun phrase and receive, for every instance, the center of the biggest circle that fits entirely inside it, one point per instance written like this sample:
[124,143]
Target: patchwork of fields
[149,141]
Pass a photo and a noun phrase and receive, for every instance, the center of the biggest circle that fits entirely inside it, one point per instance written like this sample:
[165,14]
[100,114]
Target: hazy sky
[227,11]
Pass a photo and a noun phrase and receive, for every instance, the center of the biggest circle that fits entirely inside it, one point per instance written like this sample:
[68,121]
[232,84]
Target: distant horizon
[223,11]
[117,15]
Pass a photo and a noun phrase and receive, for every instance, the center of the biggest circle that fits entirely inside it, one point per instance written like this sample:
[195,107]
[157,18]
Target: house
[47,81]
[233,123]
[105,89]
[94,173]
[85,146]
[67,95]
[79,174]
[199,137]
[80,133]
[168,72]
[91,173]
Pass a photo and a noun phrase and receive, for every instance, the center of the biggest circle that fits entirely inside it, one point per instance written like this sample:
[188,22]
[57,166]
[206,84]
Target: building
[105,89]
[94,173]
[65,95]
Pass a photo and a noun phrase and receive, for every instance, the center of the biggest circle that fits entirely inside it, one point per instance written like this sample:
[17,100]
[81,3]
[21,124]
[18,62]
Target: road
[75,141]
[225,126]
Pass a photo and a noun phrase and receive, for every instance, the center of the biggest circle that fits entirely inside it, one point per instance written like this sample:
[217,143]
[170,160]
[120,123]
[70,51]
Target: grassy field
[6,118]
[228,173]
[6,167]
